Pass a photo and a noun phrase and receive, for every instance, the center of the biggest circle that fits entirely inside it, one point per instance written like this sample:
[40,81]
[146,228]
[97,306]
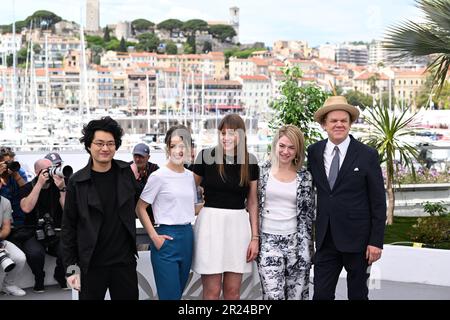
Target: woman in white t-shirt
[172,193]
[286,208]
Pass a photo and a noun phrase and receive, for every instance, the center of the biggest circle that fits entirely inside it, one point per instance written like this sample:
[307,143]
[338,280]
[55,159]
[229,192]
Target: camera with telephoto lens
[44,228]
[13,165]
[5,261]
[61,171]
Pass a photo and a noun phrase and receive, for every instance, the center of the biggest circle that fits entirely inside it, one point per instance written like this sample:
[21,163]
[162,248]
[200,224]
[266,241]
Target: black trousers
[120,280]
[328,263]
[35,253]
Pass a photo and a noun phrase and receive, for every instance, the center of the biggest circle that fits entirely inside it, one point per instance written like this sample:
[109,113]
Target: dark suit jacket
[355,209]
[83,213]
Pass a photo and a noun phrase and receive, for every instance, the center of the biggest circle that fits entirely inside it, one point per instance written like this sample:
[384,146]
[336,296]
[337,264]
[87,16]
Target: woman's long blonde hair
[295,135]
[235,122]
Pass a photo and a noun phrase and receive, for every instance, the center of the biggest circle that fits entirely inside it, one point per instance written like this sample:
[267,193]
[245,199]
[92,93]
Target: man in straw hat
[351,203]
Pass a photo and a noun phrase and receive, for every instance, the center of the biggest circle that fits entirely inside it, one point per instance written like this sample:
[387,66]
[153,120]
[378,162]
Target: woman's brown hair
[181,131]
[234,122]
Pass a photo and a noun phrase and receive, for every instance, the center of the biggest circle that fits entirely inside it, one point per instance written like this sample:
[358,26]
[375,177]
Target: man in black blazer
[351,203]
[98,233]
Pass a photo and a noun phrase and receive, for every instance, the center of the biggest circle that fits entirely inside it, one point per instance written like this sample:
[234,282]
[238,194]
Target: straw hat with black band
[334,103]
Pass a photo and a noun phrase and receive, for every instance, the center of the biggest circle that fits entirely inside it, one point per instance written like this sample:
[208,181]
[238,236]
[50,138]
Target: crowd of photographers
[30,219]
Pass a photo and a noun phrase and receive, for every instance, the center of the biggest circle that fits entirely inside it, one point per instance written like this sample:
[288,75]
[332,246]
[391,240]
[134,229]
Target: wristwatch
[63,189]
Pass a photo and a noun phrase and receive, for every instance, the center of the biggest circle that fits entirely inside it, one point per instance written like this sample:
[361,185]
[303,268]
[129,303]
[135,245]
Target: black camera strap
[49,198]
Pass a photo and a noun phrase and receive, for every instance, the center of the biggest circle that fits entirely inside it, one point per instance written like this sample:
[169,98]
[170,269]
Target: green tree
[37,48]
[357,98]
[171,47]
[96,54]
[141,25]
[7,28]
[358,43]
[20,25]
[297,105]
[238,53]
[207,47]
[148,42]
[43,18]
[385,136]
[385,99]
[187,49]
[122,45]
[106,35]
[22,55]
[94,41]
[191,42]
[170,24]
[223,32]
[426,98]
[191,26]
[372,82]
[113,45]
[9,60]
[432,37]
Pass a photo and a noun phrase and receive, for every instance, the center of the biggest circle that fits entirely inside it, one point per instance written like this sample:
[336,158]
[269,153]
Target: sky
[316,21]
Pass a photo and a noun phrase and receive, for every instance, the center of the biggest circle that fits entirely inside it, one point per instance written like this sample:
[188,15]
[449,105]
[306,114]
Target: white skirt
[221,240]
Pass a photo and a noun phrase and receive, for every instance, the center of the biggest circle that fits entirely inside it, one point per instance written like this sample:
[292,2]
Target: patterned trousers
[283,270]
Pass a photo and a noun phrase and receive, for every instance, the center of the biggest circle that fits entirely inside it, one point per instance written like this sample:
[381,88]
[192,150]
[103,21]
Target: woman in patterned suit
[286,208]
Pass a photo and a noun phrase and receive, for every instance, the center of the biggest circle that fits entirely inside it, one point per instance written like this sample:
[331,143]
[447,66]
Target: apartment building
[371,83]
[408,84]
[256,91]
[10,43]
[240,67]
[356,54]
[223,95]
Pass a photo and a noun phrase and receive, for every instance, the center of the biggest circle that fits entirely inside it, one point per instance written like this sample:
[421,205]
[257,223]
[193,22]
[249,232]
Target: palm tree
[412,39]
[372,82]
[385,137]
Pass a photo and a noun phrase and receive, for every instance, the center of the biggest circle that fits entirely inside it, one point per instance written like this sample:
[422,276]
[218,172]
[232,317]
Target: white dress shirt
[328,154]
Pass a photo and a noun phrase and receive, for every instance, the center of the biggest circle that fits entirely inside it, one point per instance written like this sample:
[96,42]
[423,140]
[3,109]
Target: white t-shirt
[5,210]
[280,214]
[172,195]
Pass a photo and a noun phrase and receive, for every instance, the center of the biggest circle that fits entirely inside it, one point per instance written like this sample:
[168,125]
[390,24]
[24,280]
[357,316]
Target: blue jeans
[172,262]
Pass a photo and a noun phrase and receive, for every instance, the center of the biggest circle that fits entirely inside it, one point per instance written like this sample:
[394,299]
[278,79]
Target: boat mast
[148,102]
[13,82]
[84,98]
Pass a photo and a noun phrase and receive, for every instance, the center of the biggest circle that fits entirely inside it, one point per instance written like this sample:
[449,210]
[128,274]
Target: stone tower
[92,15]
[234,22]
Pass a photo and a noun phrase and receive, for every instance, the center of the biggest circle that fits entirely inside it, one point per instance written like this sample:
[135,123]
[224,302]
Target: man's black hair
[7,151]
[104,124]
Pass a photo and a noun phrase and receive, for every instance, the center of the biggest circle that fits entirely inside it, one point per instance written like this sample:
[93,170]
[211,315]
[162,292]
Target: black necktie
[334,168]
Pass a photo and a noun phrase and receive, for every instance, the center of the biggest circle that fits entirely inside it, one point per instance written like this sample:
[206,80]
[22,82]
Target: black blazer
[83,213]
[356,207]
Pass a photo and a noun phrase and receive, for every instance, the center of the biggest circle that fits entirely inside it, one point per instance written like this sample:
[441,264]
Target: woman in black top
[225,233]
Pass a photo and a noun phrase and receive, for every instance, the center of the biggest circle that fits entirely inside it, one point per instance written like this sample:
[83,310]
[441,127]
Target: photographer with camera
[12,178]
[142,169]
[12,258]
[43,203]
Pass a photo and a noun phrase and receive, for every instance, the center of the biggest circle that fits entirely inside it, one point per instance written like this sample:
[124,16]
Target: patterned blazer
[305,206]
